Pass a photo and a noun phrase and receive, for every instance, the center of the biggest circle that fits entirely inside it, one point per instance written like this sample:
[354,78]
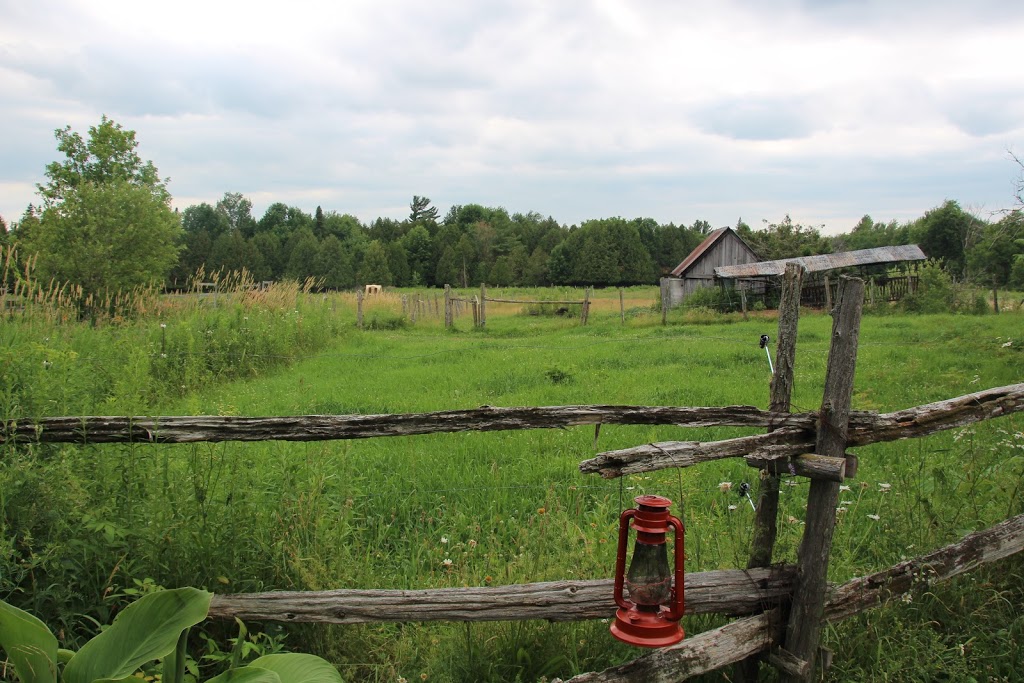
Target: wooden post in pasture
[828,296]
[483,304]
[664,300]
[622,307]
[781,390]
[743,302]
[586,305]
[871,291]
[803,631]
[448,317]
[995,299]
[359,309]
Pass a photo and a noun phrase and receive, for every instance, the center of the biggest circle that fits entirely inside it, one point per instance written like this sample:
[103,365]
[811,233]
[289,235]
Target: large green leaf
[246,674]
[146,630]
[299,668]
[29,645]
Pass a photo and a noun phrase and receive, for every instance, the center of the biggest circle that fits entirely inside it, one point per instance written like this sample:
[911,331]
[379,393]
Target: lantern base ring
[646,628]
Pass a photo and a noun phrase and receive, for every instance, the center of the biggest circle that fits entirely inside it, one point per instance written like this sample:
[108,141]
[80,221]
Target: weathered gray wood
[936,417]
[982,547]
[803,630]
[188,429]
[359,309]
[534,301]
[622,307]
[865,427]
[808,465]
[657,456]
[700,654]
[781,390]
[786,662]
[729,591]
[449,317]
[483,304]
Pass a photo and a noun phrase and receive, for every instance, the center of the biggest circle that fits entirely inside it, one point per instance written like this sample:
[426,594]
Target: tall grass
[82,524]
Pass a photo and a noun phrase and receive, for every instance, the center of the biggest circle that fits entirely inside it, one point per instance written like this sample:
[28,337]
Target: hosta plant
[155,627]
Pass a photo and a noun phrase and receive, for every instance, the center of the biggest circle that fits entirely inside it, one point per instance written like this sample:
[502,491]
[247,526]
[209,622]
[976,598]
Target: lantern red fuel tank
[650,617]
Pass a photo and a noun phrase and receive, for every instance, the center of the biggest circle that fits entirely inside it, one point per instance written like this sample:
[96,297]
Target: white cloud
[712,109]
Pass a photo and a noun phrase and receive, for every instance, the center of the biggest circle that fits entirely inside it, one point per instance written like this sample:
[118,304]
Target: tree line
[104,221]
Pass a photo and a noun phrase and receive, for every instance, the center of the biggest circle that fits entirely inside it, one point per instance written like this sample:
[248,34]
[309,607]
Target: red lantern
[650,618]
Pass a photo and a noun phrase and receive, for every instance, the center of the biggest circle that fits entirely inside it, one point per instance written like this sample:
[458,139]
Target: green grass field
[83,524]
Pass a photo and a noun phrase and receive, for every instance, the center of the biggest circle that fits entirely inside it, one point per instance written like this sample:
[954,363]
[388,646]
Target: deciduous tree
[106,223]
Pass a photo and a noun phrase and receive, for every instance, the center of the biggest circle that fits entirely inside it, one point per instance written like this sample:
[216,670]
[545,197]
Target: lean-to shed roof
[845,259]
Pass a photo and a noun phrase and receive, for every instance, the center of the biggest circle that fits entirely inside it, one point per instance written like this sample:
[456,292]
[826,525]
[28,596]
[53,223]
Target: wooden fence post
[743,303]
[664,300]
[622,307]
[483,304]
[781,390]
[359,309]
[828,296]
[448,317]
[803,630]
[586,305]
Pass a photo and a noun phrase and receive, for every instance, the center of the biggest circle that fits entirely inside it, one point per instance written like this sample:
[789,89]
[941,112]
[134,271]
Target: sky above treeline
[711,109]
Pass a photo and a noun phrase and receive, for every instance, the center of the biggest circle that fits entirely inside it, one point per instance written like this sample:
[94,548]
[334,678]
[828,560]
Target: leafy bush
[155,627]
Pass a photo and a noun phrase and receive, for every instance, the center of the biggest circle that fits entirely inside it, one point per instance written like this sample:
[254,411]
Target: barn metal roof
[845,259]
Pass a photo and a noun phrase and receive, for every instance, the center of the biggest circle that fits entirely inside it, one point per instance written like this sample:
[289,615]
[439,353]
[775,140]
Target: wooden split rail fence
[781,608]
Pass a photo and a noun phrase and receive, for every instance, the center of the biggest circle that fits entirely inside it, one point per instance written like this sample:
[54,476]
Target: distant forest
[473,244]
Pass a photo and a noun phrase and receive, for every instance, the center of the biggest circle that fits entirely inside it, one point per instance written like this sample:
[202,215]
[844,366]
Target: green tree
[946,233]
[302,256]
[107,223]
[4,235]
[333,265]
[237,212]
[420,253]
[448,268]
[374,268]
[398,263]
[420,210]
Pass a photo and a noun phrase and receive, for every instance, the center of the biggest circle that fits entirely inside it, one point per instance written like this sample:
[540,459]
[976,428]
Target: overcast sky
[677,110]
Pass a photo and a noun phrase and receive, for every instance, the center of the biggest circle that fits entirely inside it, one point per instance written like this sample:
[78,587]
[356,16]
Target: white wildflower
[844,487]
[444,539]
[732,507]
[1008,344]
[447,562]
[724,486]
[884,487]
[874,517]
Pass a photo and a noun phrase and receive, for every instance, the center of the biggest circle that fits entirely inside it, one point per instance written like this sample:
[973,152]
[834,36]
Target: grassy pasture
[83,525]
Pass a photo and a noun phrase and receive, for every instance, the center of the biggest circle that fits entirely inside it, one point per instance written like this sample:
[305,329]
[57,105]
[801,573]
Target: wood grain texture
[727,591]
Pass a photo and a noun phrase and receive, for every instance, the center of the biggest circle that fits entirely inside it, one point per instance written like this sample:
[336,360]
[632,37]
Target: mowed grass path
[511,507]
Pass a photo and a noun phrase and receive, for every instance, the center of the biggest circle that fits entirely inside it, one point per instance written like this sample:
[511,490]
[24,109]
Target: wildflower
[423,676]
[540,511]
[444,539]
[907,598]
[840,510]
[883,487]
[447,562]
[403,679]
[472,543]
[874,517]
[844,487]
[724,486]
[163,326]
[488,579]
[732,507]
[1008,344]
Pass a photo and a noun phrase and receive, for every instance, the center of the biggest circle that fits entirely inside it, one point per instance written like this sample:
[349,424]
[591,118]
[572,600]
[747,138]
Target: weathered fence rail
[725,591]
[794,431]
